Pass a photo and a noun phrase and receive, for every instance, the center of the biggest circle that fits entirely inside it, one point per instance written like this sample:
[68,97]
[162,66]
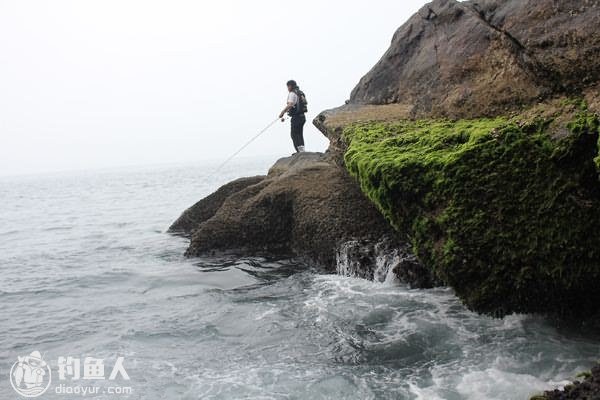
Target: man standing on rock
[296,107]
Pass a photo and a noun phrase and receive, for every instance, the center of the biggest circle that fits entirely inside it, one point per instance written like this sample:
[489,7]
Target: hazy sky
[88,84]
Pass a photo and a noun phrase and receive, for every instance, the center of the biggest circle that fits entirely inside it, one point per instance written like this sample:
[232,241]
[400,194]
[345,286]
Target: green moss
[584,375]
[578,102]
[504,211]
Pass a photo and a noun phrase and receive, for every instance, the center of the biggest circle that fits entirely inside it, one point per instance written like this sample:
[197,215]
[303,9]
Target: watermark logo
[30,376]
[93,368]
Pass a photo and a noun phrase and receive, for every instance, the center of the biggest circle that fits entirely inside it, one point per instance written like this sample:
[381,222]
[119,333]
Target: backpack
[301,106]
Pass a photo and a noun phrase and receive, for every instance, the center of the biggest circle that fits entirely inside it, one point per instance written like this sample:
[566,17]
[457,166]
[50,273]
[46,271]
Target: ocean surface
[88,270]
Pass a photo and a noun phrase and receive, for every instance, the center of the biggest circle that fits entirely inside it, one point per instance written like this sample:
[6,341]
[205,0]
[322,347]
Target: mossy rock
[505,210]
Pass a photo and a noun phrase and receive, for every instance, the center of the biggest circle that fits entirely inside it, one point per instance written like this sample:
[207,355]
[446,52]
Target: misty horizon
[101,85]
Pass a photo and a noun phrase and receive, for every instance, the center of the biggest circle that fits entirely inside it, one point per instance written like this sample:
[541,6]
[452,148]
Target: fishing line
[243,147]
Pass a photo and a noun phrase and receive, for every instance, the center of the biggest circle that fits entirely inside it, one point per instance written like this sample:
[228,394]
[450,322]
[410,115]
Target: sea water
[88,271]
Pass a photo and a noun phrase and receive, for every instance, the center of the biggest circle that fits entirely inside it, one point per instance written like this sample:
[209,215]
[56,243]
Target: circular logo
[30,376]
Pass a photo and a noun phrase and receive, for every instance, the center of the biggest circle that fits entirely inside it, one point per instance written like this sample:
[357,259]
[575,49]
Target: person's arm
[286,109]
[291,102]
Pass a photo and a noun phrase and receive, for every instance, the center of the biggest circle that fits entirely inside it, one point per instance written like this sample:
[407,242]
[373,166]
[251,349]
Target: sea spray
[383,261]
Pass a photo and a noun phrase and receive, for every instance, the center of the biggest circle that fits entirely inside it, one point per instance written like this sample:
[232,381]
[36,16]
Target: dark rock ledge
[307,207]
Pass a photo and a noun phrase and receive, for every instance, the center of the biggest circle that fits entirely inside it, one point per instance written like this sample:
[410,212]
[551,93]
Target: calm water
[88,271]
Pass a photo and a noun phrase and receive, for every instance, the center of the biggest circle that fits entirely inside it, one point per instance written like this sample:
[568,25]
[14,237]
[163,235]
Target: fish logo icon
[30,376]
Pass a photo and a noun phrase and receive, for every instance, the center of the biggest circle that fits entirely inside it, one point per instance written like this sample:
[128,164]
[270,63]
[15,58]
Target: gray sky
[93,84]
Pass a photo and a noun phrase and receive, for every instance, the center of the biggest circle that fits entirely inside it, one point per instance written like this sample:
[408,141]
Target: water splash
[384,260]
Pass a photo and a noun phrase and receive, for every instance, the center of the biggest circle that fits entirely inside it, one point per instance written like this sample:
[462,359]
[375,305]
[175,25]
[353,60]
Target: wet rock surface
[306,207]
[385,261]
[587,388]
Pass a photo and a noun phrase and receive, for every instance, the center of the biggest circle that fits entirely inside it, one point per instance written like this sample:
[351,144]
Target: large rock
[483,58]
[208,206]
[306,206]
[503,210]
[528,62]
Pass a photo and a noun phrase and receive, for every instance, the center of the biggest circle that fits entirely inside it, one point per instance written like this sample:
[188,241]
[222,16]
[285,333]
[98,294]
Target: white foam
[494,384]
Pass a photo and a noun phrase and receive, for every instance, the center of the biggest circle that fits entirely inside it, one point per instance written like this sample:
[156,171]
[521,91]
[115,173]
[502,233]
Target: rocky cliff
[308,207]
[466,155]
[505,209]
[484,58]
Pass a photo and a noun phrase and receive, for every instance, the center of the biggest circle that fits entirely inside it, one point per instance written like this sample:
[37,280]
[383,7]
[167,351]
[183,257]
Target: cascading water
[383,260]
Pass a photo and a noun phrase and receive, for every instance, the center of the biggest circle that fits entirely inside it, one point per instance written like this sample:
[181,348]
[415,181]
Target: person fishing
[296,108]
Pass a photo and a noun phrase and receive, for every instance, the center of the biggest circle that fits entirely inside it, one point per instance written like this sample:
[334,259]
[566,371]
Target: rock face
[470,99]
[306,206]
[476,136]
[586,389]
[512,85]
[383,261]
[484,58]
[503,210]
[207,207]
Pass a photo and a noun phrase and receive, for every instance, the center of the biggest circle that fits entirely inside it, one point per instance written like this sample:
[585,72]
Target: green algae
[504,210]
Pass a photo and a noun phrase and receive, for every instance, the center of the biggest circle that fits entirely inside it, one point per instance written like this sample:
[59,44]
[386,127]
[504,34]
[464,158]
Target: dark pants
[297,130]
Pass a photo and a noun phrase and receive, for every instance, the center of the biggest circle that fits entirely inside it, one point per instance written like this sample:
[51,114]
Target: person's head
[291,85]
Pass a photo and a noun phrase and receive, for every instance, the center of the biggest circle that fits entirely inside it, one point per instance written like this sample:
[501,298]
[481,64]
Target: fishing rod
[244,146]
